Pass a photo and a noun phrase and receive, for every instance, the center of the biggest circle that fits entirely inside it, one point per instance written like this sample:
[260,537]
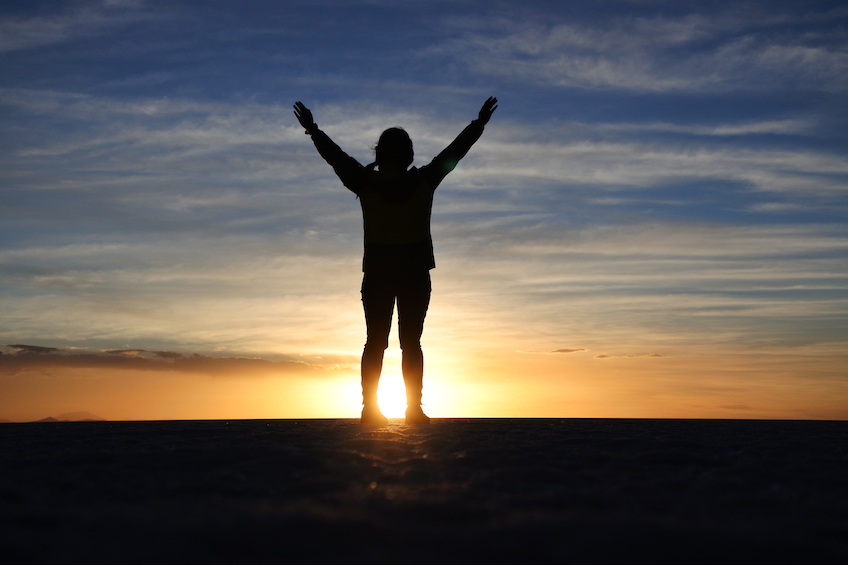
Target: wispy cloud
[555,351]
[33,349]
[630,356]
[243,222]
[31,358]
[259,146]
[86,19]
[729,51]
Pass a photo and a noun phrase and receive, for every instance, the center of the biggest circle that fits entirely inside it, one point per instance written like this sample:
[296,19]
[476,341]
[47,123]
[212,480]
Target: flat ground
[457,491]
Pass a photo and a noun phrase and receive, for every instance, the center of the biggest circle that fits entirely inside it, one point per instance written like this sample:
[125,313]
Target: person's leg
[378,302]
[413,298]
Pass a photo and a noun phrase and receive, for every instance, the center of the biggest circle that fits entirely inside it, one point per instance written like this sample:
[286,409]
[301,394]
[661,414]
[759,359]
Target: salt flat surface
[457,491]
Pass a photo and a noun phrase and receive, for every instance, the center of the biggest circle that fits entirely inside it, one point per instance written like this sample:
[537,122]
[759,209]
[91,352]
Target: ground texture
[457,491]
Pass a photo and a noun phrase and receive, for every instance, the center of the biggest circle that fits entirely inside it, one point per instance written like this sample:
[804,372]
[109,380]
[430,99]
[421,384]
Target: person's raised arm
[348,169]
[446,161]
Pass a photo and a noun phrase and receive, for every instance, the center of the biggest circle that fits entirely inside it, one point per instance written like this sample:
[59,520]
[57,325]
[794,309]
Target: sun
[392,395]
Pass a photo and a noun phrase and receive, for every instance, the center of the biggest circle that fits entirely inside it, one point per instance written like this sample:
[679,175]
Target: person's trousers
[380,291]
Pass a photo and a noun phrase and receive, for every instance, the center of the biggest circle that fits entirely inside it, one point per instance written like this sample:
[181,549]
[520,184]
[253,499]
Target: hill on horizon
[81,416]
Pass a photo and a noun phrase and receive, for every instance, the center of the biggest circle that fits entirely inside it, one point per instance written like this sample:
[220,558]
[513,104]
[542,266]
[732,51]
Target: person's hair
[394,146]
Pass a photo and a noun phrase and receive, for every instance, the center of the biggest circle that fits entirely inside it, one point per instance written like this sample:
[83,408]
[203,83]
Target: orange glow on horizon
[479,384]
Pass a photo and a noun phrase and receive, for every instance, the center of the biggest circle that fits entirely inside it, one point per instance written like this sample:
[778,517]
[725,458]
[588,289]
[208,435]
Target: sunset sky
[653,224]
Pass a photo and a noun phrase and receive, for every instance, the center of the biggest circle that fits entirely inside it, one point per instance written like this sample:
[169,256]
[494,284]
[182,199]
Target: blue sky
[663,193]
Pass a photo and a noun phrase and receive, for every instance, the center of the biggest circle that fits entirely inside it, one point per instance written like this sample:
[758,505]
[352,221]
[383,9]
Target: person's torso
[396,208]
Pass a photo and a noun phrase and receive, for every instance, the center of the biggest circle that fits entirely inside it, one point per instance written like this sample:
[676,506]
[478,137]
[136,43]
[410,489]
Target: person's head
[394,149]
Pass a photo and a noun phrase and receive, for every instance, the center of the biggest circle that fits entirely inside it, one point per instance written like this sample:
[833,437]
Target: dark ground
[457,491]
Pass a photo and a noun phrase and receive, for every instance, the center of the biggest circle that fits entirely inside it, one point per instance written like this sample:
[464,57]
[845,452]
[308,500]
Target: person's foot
[415,415]
[372,415]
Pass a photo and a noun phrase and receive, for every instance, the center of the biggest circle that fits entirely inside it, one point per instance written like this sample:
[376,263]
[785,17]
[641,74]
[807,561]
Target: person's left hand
[489,106]
[304,116]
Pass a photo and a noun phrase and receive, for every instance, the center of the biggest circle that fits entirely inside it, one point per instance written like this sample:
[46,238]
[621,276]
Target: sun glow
[392,395]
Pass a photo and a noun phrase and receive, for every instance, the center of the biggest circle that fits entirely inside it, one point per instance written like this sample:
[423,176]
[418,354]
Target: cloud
[241,166]
[735,50]
[572,159]
[630,356]
[556,351]
[33,349]
[94,18]
[145,353]
[736,407]
[788,126]
[35,358]
[168,354]
[127,352]
[194,223]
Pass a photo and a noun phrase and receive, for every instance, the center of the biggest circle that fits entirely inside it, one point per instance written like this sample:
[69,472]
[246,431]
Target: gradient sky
[653,224]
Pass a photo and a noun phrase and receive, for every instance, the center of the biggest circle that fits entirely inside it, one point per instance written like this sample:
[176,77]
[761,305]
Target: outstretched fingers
[303,114]
[489,106]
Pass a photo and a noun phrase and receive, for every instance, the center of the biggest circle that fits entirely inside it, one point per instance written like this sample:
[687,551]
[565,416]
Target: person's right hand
[304,116]
[489,106]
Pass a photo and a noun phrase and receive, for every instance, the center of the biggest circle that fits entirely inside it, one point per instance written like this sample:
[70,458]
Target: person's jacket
[396,207]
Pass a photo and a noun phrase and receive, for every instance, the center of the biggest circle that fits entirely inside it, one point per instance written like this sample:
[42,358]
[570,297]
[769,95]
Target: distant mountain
[5,421]
[79,417]
[74,417]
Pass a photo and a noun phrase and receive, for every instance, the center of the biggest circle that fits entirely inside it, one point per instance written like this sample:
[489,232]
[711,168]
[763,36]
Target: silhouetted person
[396,203]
